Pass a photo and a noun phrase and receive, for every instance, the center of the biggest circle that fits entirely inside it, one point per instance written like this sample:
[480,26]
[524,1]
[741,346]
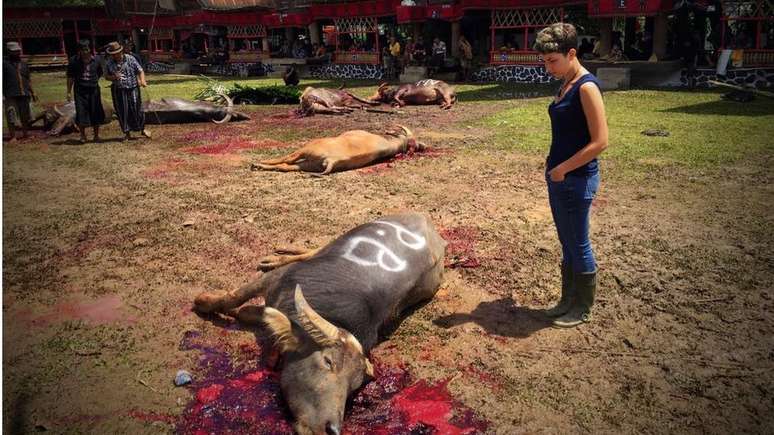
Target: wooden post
[290,36]
[77,33]
[493,43]
[660,35]
[61,38]
[378,50]
[526,39]
[455,42]
[605,35]
[136,39]
[314,33]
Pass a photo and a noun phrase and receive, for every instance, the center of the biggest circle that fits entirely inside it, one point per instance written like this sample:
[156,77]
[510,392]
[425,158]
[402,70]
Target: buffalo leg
[329,164]
[333,110]
[274,261]
[281,167]
[290,158]
[223,301]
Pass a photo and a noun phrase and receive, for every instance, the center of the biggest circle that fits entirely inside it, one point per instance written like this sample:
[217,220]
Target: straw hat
[114,47]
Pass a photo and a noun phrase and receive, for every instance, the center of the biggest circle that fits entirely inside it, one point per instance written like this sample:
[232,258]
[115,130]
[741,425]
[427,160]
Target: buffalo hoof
[209,302]
[270,262]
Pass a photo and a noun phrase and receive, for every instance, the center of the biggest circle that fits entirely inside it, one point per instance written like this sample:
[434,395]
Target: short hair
[557,38]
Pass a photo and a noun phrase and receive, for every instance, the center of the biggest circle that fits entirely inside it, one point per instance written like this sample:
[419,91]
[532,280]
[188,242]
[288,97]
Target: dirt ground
[106,245]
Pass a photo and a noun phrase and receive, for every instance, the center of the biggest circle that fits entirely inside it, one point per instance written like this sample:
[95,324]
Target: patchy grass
[681,335]
[704,129]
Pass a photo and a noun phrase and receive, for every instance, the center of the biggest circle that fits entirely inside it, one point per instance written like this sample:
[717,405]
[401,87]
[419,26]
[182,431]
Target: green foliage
[248,94]
[266,94]
[211,89]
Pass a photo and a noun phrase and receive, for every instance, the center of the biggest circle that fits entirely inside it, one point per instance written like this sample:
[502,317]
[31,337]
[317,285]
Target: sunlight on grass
[704,129]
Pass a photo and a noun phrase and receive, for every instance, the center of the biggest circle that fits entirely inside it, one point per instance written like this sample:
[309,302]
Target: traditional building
[651,37]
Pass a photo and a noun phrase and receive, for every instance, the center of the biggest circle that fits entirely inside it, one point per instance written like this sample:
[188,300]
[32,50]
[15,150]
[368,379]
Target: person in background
[396,55]
[466,57]
[83,73]
[290,76]
[127,76]
[408,52]
[17,91]
[420,51]
[438,57]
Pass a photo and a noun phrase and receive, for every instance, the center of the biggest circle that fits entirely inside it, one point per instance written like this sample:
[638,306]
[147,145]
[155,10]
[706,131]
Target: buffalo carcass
[422,92]
[326,308]
[180,111]
[61,119]
[349,150]
[329,101]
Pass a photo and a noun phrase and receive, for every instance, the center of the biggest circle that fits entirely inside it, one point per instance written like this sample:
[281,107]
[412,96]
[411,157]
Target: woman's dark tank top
[569,129]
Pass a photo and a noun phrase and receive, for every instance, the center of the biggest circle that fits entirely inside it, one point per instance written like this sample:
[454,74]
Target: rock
[140,241]
[189,223]
[182,378]
[655,132]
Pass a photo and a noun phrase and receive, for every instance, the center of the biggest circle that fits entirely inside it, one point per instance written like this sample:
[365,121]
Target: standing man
[127,75]
[395,53]
[83,75]
[438,56]
[466,57]
[17,91]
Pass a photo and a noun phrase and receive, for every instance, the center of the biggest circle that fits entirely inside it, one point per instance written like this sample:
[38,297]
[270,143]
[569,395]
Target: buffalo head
[229,110]
[384,93]
[323,364]
[58,119]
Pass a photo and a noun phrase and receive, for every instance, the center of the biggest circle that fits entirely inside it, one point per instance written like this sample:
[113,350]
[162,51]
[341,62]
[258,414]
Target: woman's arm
[594,109]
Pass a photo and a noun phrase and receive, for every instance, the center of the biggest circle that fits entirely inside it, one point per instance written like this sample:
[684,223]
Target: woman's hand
[556,175]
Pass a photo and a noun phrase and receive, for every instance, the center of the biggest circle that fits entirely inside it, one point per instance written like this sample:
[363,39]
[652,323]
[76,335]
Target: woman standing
[578,136]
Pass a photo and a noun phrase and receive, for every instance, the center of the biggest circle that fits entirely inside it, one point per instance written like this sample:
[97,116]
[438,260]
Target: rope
[150,32]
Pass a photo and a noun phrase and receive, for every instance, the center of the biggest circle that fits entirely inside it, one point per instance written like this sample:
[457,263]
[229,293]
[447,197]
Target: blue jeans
[570,202]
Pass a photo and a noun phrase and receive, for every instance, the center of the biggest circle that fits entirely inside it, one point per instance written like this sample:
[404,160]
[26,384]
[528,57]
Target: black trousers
[88,106]
[128,106]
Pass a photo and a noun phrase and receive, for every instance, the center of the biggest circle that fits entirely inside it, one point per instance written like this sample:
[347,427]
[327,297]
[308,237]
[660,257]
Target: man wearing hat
[127,75]
[17,90]
[83,75]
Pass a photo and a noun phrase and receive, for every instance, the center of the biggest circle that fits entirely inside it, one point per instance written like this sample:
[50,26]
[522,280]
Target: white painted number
[384,257]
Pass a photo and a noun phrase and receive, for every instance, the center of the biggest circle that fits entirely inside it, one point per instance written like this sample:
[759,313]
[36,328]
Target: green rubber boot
[585,287]
[568,294]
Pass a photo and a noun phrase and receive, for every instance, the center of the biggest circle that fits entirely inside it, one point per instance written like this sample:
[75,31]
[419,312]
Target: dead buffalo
[326,308]
[349,150]
[422,92]
[329,101]
[61,119]
[180,111]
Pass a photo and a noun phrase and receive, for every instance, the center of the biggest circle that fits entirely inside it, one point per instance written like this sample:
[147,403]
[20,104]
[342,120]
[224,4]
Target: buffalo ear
[281,329]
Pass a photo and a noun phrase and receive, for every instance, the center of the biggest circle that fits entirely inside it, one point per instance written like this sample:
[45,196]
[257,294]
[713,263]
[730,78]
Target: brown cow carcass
[422,92]
[330,101]
[349,150]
